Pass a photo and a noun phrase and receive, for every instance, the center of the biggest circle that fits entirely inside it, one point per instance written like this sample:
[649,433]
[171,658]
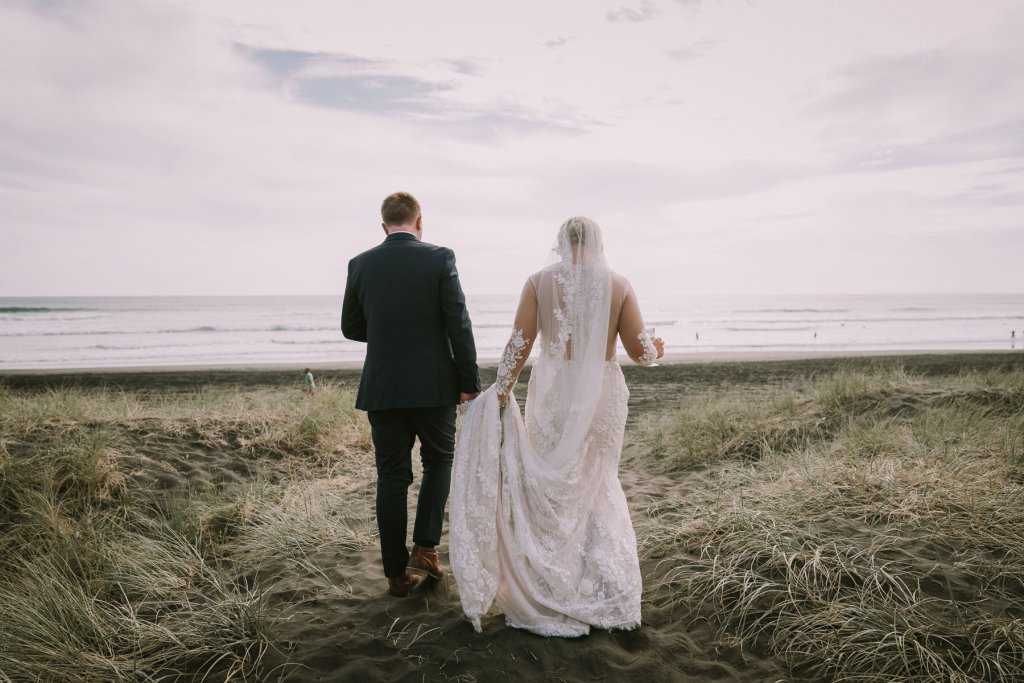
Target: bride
[539,523]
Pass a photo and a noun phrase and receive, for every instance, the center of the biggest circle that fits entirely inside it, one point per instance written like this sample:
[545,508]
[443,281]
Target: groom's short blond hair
[400,208]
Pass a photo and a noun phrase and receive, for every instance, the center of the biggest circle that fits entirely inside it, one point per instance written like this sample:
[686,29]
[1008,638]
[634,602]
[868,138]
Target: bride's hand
[659,345]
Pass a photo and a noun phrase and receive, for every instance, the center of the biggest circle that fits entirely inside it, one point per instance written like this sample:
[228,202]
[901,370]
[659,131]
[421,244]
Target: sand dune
[293,517]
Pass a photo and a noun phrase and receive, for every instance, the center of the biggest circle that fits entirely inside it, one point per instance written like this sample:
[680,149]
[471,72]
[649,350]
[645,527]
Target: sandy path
[356,631]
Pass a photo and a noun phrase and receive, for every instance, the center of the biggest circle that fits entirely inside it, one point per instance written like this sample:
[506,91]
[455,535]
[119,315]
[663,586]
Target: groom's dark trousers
[404,299]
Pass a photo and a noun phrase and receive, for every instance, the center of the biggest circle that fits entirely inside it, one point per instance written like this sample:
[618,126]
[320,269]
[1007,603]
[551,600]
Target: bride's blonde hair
[576,232]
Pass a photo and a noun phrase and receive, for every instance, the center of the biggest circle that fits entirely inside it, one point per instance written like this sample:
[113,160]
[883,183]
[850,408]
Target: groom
[404,299]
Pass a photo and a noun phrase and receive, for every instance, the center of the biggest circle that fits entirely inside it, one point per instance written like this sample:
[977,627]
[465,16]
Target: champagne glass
[649,331]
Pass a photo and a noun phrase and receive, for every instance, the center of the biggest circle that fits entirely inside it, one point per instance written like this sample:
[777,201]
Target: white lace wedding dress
[538,520]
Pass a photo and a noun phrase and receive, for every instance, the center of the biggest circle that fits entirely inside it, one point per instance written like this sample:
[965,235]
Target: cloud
[999,141]
[647,11]
[382,87]
[346,81]
[214,146]
[377,94]
[944,105]
[499,123]
[950,76]
[53,5]
[1009,170]
[987,195]
[286,63]
[991,188]
[467,67]
[693,51]
[642,186]
[784,217]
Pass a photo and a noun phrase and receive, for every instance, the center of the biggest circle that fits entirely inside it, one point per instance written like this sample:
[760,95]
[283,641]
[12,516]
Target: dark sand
[357,632]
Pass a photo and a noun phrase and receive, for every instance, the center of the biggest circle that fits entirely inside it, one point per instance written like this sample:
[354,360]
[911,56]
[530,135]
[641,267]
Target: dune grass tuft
[865,527]
[103,580]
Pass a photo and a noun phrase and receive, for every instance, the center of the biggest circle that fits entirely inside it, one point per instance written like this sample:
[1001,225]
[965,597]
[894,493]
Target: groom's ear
[385,226]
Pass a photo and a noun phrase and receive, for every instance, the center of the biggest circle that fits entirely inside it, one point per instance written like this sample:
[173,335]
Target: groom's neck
[415,228]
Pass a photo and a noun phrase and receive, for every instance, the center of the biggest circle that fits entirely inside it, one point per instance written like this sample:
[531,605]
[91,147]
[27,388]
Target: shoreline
[677,358]
[672,381]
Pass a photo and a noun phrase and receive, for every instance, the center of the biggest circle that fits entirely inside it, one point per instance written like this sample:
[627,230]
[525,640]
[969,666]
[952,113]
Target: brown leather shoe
[401,585]
[423,561]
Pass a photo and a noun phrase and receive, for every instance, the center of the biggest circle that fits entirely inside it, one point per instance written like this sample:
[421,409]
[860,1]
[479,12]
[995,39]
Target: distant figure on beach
[307,376]
[539,522]
[696,336]
[403,298]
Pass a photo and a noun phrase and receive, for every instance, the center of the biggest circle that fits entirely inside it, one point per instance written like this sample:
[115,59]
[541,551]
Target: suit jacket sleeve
[353,321]
[458,326]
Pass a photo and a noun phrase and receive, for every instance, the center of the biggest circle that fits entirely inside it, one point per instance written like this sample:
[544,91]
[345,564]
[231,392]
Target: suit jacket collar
[395,236]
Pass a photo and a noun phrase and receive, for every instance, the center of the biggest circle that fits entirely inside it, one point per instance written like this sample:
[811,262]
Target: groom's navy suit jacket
[403,298]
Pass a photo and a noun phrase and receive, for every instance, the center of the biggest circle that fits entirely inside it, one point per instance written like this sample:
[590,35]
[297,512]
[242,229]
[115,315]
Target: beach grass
[852,520]
[864,526]
[105,576]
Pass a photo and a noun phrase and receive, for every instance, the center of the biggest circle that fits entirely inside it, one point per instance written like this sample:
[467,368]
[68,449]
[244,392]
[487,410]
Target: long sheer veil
[573,303]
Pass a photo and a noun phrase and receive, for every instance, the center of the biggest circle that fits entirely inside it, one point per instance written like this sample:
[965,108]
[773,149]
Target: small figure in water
[696,336]
[310,384]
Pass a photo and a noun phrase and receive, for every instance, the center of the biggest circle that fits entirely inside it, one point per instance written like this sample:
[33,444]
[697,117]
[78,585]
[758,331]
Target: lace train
[551,544]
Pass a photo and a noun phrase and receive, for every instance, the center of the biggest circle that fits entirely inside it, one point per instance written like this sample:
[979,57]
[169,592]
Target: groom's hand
[466,398]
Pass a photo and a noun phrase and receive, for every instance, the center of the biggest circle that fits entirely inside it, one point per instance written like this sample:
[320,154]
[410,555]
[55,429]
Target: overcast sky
[244,146]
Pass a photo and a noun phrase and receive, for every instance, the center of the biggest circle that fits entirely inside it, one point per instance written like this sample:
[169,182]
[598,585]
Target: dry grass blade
[101,581]
[874,535]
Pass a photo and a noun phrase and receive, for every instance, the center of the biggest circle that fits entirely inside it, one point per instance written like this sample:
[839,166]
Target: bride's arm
[640,346]
[524,333]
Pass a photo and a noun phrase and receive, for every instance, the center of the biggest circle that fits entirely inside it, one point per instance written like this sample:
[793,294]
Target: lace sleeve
[635,340]
[517,351]
[512,362]
[650,354]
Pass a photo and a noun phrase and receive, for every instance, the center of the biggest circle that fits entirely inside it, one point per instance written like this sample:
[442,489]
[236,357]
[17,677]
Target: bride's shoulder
[620,286]
[536,277]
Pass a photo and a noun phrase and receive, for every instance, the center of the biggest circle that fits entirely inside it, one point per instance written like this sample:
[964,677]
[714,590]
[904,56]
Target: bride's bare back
[625,323]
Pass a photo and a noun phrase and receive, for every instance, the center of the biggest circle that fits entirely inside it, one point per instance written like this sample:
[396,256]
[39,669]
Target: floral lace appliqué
[569,281]
[650,354]
[575,286]
[507,374]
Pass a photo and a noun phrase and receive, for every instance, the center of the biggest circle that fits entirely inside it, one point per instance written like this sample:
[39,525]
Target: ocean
[96,332]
